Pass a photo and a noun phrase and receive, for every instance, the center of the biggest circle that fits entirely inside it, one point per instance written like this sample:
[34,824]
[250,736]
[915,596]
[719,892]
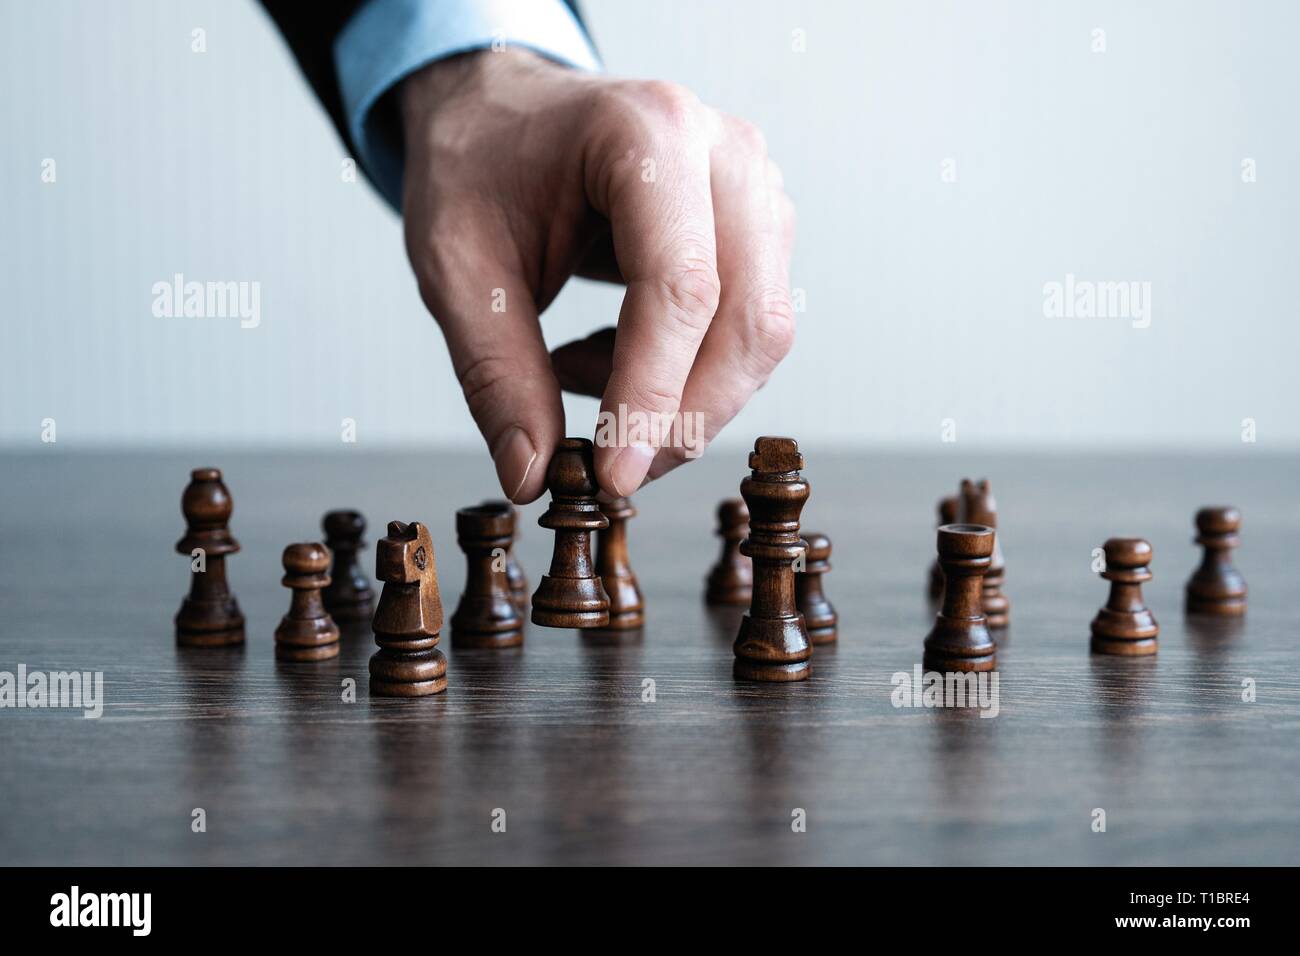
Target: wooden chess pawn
[818,612]
[731,581]
[1216,587]
[408,617]
[773,644]
[572,595]
[348,597]
[307,632]
[978,507]
[626,605]
[960,639]
[209,616]
[1125,625]
[486,615]
[948,513]
[518,581]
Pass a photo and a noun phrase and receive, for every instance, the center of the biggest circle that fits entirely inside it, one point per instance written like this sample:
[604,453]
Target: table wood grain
[557,734]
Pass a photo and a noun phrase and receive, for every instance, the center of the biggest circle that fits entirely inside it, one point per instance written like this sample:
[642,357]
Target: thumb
[489,318]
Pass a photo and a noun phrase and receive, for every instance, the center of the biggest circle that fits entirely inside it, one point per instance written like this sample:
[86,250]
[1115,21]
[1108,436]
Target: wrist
[446,79]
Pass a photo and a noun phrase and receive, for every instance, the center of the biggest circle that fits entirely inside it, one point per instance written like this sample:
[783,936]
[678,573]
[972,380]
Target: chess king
[773,644]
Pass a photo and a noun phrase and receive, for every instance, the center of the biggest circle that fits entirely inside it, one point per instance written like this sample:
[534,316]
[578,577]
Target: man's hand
[521,173]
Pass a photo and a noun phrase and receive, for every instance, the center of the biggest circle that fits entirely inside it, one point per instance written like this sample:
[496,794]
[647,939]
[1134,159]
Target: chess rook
[1216,587]
[348,597]
[949,509]
[773,644]
[731,580]
[307,632]
[1125,625]
[626,605]
[960,639]
[486,615]
[209,616]
[818,612]
[518,581]
[572,595]
[408,617]
[978,507]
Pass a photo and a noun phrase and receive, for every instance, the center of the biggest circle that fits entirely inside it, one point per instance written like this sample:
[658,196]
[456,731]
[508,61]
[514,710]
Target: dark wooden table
[557,734]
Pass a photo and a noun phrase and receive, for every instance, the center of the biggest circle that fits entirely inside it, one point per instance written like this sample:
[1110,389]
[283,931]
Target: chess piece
[772,644]
[818,612]
[307,632]
[960,639]
[1124,625]
[209,616]
[486,615]
[626,606]
[408,617]
[514,571]
[571,595]
[1216,587]
[348,597]
[978,507]
[948,513]
[731,581]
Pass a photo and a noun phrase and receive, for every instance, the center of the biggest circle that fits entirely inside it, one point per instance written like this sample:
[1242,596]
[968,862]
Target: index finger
[653,186]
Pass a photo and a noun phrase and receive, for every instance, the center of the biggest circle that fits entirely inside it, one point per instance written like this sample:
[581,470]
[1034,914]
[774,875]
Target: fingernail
[630,467]
[514,457]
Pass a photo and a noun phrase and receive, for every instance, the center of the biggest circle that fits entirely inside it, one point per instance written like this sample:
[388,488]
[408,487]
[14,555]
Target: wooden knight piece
[409,616]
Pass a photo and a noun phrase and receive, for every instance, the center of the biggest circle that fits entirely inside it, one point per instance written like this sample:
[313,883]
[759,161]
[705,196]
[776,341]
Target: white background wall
[924,298]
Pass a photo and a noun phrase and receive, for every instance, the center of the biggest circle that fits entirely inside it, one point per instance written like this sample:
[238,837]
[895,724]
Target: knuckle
[607,106]
[482,377]
[692,292]
[670,102]
[653,396]
[772,328]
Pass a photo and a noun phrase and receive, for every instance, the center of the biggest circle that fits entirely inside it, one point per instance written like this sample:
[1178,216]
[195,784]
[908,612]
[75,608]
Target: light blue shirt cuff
[386,40]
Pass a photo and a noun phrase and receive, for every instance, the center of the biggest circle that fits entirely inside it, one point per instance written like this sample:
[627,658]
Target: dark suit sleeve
[310,29]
